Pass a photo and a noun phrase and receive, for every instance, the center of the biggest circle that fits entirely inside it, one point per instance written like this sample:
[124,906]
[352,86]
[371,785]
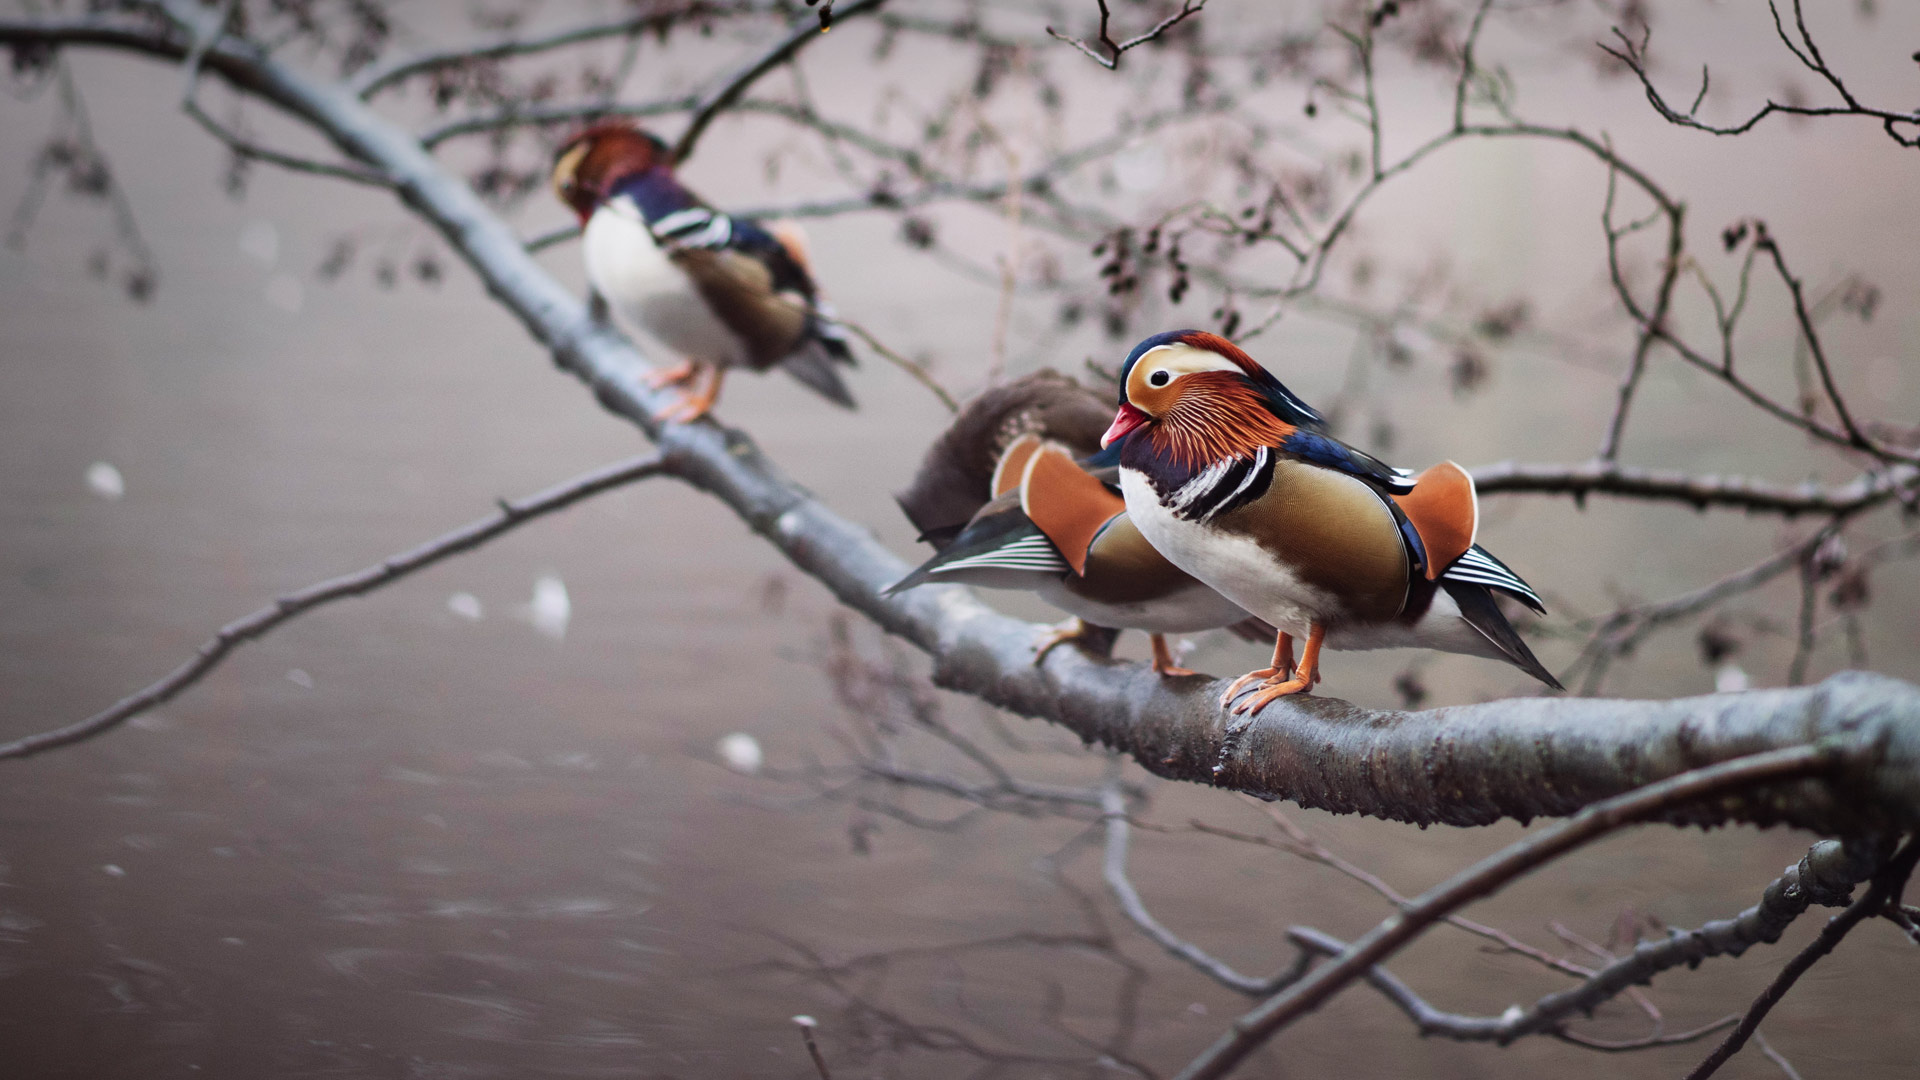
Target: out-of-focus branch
[715,101]
[1250,1031]
[1113,869]
[511,515]
[375,78]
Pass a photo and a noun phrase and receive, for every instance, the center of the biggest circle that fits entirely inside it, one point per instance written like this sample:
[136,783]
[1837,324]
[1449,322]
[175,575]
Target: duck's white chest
[1234,565]
[647,292]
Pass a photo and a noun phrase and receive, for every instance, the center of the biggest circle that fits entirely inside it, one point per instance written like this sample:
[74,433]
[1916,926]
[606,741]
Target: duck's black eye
[1159,378]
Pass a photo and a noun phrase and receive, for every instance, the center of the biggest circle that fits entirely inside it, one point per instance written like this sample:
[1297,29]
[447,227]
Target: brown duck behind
[956,475]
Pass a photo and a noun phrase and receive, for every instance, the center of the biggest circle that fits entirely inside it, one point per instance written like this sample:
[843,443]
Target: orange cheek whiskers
[1217,419]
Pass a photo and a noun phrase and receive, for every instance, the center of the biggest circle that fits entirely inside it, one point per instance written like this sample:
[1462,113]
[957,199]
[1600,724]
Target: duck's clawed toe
[1269,690]
[1260,674]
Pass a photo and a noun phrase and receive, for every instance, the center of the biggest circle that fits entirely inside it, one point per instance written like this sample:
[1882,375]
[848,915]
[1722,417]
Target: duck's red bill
[1124,423]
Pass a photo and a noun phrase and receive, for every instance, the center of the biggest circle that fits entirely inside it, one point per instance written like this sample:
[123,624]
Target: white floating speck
[1731,679]
[260,241]
[113,871]
[551,610]
[1198,1008]
[233,941]
[740,752]
[286,293]
[466,605]
[806,1021]
[300,678]
[105,480]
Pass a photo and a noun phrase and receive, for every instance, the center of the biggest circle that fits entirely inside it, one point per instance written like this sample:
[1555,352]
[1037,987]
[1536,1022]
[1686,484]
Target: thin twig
[510,515]
[1886,885]
[907,364]
[1487,876]
[1111,61]
[807,28]
[374,78]
[806,1024]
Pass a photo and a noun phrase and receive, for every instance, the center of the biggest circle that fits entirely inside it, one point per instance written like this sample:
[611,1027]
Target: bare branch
[1898,483]
[1111,61]
[715,101]
[1485,878]
[207,28]
[1114,871]
[1887,884]
[511,515]
[1635,58]
[375,78]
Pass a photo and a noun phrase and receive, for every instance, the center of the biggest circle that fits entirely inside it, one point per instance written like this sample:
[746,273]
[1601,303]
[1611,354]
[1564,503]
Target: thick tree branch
[511,515]
[1473,764]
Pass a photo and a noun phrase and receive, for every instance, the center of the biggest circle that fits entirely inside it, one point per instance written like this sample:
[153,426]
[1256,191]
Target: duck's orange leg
[1303,677]
[1075,630]
[701,402]
[1282,663]
[672,376]
[1163,658]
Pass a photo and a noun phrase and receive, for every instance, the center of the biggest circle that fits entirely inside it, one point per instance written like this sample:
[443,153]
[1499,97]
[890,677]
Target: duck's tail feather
[1477,606]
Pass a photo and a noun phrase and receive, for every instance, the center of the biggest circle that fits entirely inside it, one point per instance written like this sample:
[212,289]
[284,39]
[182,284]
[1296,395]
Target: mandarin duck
[1237,482]
[1039,520]
[716,290]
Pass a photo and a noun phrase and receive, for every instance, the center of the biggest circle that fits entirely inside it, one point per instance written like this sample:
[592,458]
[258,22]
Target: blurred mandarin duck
[1037,519]
[717,291]
[1235,480]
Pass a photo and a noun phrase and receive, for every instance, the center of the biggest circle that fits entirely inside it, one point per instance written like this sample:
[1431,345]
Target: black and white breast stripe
[1480,568]
[696,227]
[1032,552]
[1223,487]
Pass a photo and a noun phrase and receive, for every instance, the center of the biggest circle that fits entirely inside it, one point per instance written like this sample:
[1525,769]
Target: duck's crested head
[588,166]
[1205,394]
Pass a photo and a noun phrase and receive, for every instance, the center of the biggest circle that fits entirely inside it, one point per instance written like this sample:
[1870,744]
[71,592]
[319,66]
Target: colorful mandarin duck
[1036,519]
[1236,481]
[716,290]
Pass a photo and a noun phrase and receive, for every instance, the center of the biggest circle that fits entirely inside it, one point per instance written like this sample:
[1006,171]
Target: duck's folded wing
[1000,549]
[1065,502]
[1330,453]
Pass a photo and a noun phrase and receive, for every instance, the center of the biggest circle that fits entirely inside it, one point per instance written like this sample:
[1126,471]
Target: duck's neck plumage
[655,191]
